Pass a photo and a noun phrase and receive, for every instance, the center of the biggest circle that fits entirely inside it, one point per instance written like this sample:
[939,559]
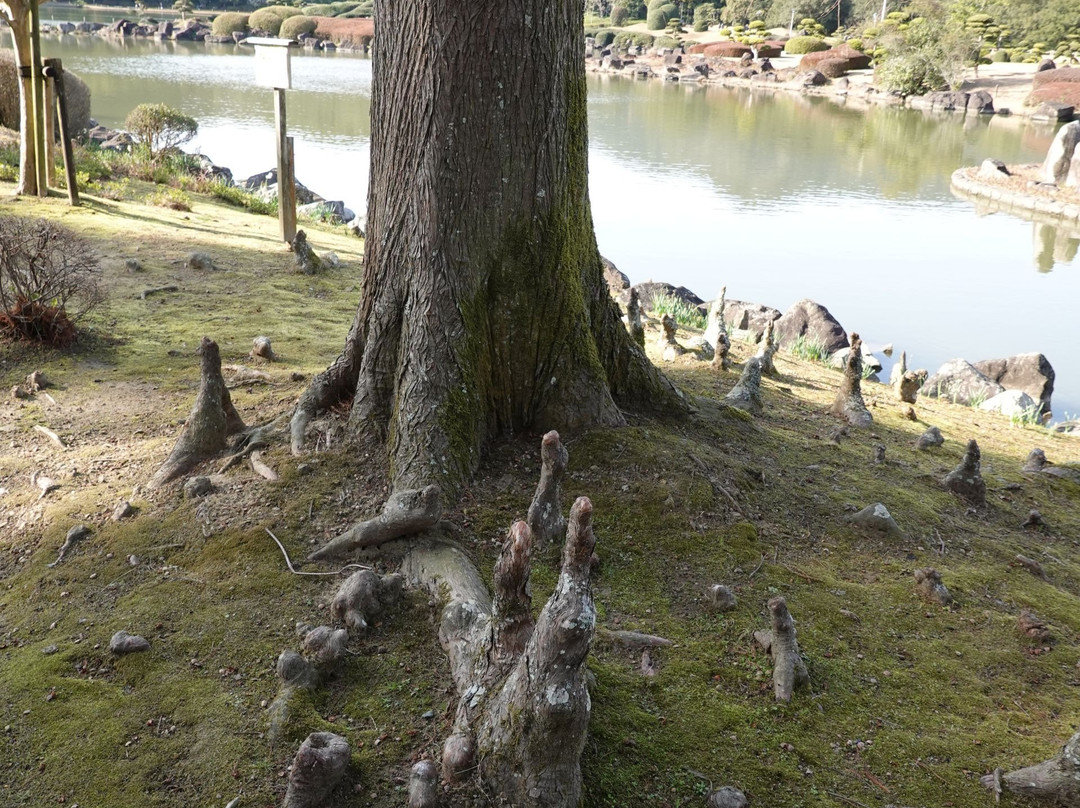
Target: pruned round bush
[157,127]
[728,50]
[805,44]
[1061,75]
[48,281]
[619,15]
[625,39]
[1065,92]
[604,38]
[657,20]
[832,68]
[999,56]
[319,10]
[666,42]
[269,18]
[229,23]
[345,33]
[295,27]
[756,25]
[855,44]
[76,91]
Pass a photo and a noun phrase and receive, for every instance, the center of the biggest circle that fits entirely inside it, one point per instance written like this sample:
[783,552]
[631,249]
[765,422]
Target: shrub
[295,27]
[48,281]
[999,56]
[229,23]
[756,25]
[666,42]
[158,127]
[1065,92]
[345,33]
[242,198]
[77,93]
[728,50]
[604,38]
[319,10]
[809,348]
[172,198]
[855,44]
[625,39]
[705,15]
[269,18]
[657,20]
[619,15]
[1061,75]
[805,44]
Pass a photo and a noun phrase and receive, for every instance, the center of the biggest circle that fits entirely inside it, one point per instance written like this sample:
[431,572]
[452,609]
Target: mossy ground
[909,702]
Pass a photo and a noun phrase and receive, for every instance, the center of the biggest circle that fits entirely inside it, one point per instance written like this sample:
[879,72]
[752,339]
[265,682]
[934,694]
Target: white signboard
[272,67]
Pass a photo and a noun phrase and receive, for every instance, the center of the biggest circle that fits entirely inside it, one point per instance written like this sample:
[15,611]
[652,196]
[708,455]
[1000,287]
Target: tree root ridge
[405,513]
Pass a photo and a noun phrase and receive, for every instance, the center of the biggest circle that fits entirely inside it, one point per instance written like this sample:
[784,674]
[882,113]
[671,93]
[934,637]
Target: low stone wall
[1037,202]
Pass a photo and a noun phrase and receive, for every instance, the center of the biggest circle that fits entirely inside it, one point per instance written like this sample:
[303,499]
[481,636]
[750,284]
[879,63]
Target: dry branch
[52,436]
[261,468]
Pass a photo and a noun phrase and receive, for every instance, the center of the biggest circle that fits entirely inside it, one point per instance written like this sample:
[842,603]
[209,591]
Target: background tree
[158,127]
[484,310]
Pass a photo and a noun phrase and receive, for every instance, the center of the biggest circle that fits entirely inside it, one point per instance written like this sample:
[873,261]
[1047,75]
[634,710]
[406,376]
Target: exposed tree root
[746,394]
[849,403]
[317,768]
[966,479]
[768,349]
[1031,565]
[1056,780]
[405,513]
[545,518]
[789,669]
[364,596]
[633,320]
[423,785]
[213,418]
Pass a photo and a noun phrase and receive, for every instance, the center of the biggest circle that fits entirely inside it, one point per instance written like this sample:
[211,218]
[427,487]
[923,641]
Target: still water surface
[777,196]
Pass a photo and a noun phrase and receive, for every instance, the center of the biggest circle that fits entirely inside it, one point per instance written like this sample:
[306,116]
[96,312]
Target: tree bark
[484,309]
[17,13]
[1056,780]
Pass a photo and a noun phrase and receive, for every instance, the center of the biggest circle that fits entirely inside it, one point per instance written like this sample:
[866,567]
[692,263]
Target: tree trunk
[1056,780]
[17,14]
[484,309]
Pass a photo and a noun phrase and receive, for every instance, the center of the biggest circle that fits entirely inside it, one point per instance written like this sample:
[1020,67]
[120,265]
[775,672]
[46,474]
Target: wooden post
[38,96]
[286,186]
[54,70]
[50,132]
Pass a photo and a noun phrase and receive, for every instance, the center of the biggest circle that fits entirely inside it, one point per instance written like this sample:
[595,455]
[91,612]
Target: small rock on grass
[197,487]
[122,511]
[124,643]
[727,797]
[875,519]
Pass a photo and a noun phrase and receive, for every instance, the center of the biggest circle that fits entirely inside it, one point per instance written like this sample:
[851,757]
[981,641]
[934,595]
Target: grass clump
[808,348]
[680,311]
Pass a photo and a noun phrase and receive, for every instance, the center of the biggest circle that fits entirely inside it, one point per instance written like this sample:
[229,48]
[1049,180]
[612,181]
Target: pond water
[777,196]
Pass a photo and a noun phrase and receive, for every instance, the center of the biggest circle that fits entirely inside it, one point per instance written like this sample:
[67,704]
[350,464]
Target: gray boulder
[1046,64]
[1010,403]
[66,28]
[749,317]
[648,290]
[1054,111]
[947,101]
[1031,372]
[992,170]
[333,211]
[1055,169]
[960,382]
[812,321]
[616,280]
[870,362]
[980,102]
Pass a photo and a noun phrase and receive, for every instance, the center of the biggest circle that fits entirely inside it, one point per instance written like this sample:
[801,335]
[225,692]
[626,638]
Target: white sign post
[273,69]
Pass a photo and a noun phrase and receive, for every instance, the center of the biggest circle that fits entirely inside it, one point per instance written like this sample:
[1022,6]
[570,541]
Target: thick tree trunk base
[1056,780]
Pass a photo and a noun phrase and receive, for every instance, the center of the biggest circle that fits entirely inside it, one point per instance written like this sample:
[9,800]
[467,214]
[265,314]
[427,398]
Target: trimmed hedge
[345,33]
[625,39]
[619,15]
[657,20]
[604,38]
[1061,75]
[1064,92]
[78,96]
[728,50]
[295,27]
[229,23]
[805,44]
[269,18]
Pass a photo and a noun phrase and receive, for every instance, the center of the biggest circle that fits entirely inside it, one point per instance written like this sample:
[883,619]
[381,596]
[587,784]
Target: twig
[295,571]
[758,567]
[233,459]
[941,542]
[848,800]
[48,433]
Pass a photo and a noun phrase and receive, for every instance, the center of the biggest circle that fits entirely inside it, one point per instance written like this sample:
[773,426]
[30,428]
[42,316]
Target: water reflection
[1054,242]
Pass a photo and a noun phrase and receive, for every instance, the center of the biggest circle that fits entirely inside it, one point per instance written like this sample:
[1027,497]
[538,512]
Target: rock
[1011,403]
[165,29]
[966,479]
[726,797]
[908,386]
[839,359]
[928,584]
[122,511]
[616,281]
[992,170]
[929,439]
[124,643]
[746,394]
[200,261]
[1055,169]
[424,791]
[197,487]
[946,100]
[749,317]
[1046,64]
[1031,372]
[265,185]
[814,322]
[960,382]
[66,28]
[261,348]
[357,225]
[721,598]
[811,78]
[49,650]
[1053,111]
[648,290]
[875,520]
[980,102]
[334,211]
[1036,461]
